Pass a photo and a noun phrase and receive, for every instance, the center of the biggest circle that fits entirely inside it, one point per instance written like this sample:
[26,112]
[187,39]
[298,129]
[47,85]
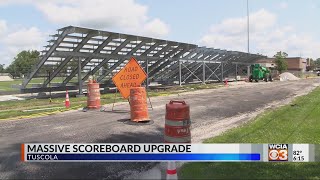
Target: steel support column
[147,71]
[204,73]
[221,72]
[180,73]
[236,71]
[79,77]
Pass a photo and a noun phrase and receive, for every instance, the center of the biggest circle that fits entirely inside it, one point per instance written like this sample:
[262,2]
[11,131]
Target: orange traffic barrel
[138,104]
[177,123]
[93,97]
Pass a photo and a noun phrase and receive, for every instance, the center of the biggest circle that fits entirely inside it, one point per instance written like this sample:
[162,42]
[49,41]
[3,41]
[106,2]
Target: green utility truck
[259,72]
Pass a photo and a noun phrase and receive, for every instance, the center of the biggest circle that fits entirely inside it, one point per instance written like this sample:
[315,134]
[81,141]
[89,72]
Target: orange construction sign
[131,75]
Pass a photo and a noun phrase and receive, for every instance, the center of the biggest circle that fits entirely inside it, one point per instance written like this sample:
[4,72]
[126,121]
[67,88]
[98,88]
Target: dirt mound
[288,77]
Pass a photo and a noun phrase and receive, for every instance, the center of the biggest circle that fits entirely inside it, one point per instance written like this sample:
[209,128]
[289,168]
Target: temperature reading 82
[297,153]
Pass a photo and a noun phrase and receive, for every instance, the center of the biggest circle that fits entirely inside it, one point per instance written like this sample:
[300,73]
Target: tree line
[22,63]
[282,65]
[25,60]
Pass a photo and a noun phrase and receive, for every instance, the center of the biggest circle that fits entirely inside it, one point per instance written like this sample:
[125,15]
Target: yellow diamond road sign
[131,75]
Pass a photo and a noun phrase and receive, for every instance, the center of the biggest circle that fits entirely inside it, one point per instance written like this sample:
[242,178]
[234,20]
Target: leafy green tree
[23,63]
[317,62]
[73,64]
[105,68]
[280,61]
[2,70]
[12,70]
[312,65]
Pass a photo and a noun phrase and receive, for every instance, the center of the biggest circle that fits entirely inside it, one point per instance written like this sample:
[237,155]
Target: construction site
[96,86]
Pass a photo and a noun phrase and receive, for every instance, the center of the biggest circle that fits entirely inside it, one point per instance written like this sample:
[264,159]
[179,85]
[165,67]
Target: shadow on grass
[258,170]
[12,168]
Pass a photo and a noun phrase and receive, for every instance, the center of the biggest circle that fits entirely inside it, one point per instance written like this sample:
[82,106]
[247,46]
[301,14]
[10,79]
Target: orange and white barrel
[177,122]
[138,104]
[93,97]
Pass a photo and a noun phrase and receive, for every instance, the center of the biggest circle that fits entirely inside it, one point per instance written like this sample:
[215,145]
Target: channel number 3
[281,155]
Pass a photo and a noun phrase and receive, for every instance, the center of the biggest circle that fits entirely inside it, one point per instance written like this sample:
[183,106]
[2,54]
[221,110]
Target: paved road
[207,107]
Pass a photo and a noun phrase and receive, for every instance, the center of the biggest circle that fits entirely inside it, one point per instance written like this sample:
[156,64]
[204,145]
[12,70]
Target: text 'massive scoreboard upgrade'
[58,152]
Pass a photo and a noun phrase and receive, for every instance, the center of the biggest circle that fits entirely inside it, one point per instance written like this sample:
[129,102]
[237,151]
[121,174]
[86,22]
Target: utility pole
[49,74]
[248,26]
[248,43]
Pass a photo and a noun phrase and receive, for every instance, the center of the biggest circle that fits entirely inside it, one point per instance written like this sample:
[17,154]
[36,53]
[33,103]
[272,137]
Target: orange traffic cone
[172,170]
[67,102]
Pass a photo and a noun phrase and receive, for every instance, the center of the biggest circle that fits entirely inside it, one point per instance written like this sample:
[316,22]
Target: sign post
[131,75]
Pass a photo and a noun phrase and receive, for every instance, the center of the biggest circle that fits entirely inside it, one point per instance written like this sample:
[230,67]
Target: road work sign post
[131,75]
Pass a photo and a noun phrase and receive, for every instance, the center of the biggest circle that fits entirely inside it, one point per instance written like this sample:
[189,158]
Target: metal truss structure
[75,53]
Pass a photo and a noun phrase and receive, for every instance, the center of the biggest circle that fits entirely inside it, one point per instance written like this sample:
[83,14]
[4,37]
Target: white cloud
[283,5]
[3,27]
[126,15]
[26,37]
[21,39]
[259,20]
[156,28]
[266,36]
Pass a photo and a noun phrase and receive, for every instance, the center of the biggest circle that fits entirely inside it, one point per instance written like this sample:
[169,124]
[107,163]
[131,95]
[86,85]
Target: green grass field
[10,109]
[298,122]
[7,85]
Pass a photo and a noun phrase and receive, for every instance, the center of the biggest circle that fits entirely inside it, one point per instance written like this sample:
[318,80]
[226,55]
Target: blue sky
[275,25]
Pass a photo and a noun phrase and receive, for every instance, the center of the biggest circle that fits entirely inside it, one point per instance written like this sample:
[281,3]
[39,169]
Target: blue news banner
[46,152]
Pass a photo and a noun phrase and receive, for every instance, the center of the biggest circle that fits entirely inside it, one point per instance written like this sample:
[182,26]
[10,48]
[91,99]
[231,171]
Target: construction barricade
[93,96]
[138,104]
[177,122]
